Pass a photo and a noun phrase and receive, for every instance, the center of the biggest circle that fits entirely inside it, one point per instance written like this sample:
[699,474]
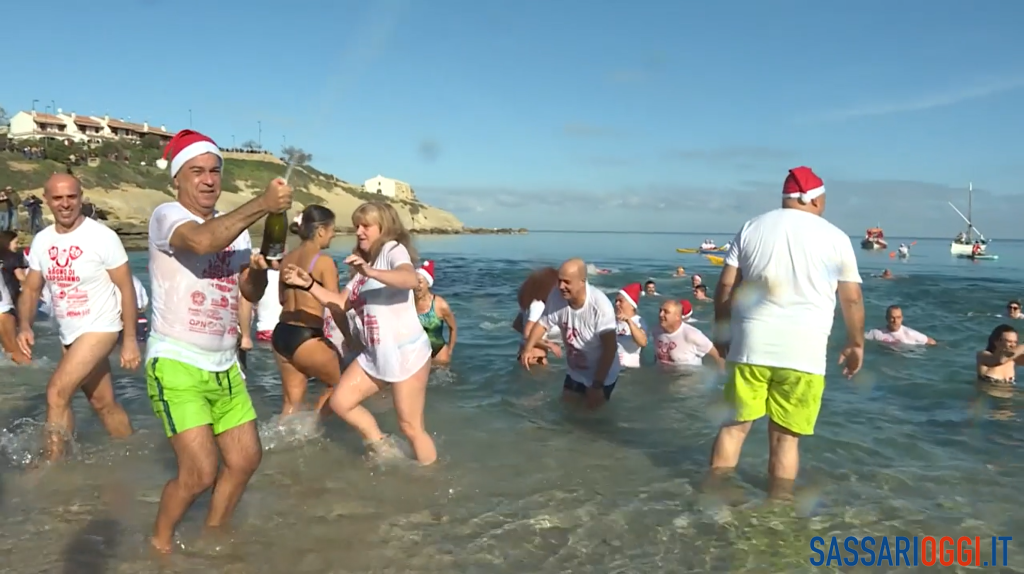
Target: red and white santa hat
[427,271]
[186,145]
[803,185]
[686,308]
[632,293]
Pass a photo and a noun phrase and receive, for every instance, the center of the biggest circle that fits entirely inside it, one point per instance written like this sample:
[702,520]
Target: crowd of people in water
[379,325]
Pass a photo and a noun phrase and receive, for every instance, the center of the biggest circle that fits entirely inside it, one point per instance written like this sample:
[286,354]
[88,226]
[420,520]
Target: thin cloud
[931,101]
[730,154]
[583,130]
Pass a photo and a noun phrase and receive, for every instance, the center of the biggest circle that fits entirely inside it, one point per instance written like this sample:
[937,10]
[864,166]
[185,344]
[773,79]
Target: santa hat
[186,145]
[632,293]
[803,185]
[686,308]
[427,271]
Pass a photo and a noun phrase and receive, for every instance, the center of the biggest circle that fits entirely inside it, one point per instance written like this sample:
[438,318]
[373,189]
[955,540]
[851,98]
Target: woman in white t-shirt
[630,329]
[396,350]
[532,295]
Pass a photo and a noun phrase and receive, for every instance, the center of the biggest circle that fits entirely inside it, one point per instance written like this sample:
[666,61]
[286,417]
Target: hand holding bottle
[277,198]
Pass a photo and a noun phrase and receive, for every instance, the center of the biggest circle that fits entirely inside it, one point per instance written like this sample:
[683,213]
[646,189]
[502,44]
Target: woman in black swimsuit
[300,347]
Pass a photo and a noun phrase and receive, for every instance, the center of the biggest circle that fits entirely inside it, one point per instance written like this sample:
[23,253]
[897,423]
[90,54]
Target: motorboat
[874,239]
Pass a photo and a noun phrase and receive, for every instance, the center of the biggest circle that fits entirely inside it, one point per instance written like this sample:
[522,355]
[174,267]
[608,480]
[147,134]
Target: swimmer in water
[680,272]
[696,281]
[300,344]
[434,314]
[651,290]
[76,254]
[395,350]
[1013,310]
[532,297]
[895,332]
[700,293]
[886,274]
[630,329]
[997,364]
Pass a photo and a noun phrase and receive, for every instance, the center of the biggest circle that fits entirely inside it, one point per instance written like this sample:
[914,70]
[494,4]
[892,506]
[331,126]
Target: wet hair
[313,217]
[997,334]
[892,308]
[391,229]
[701,287]
[537,286]
[6,237]
[648,283]
[1013,302]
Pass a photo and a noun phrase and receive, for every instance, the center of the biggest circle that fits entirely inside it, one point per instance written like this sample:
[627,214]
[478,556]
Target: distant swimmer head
[572,280]
[377,223]
[804,190]
[63,195]
[1013,308]
[696,280]
[650,288]
[894,318]
[680,272]
[886,274]
[537,287]
[316,224]
[1002,339]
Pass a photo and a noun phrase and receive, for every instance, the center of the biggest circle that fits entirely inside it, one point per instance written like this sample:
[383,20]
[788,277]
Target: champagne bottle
[275,235]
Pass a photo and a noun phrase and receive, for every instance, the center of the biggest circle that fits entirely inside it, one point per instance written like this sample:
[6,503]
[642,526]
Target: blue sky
[658,115]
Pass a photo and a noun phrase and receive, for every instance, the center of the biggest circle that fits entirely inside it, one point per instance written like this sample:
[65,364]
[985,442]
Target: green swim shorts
[185,397]
[791,399]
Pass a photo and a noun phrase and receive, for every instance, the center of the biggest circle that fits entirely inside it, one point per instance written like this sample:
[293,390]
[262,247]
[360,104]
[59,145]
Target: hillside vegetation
[127,191]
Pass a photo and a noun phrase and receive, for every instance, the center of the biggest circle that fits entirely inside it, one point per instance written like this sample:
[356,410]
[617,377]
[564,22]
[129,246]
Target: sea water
[524,485]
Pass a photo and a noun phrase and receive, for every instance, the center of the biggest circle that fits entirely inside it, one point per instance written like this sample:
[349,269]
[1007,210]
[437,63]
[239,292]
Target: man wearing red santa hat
[630,329]
[777,293]
[434,314]
[200,263]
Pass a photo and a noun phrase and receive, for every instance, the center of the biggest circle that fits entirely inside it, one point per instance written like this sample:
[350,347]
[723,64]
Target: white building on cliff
[84,129]
[388,187]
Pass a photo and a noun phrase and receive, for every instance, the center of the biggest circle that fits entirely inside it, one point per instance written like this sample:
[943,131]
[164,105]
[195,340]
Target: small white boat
[965,240]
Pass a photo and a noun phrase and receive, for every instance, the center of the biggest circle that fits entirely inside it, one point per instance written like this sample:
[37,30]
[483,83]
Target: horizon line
[620,232]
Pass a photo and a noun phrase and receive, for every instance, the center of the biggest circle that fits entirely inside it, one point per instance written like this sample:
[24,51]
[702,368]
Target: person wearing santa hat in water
[777,351]
[200,263]
[586,319]
[434,314]
[83,265]
[677,344]
[630,329]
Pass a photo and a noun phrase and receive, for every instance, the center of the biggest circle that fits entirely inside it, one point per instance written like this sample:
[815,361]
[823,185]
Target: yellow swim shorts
[791,399]
[186,397]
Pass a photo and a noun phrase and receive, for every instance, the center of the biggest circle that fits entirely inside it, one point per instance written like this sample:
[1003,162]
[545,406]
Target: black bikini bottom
[288,338]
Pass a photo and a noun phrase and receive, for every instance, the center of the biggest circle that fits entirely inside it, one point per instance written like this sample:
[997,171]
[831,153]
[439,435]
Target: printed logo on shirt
[664,350]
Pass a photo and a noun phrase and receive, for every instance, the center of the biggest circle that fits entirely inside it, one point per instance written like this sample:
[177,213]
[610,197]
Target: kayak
[701,251]
[978,257]
[719,261]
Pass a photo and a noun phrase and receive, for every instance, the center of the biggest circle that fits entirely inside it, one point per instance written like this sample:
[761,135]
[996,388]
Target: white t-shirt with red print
[684,347]
[581,333]
[76,267]
[629,350]
[396,346]
[195,297]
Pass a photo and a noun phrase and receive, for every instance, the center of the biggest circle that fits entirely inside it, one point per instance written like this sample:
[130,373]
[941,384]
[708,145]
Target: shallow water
[525,485]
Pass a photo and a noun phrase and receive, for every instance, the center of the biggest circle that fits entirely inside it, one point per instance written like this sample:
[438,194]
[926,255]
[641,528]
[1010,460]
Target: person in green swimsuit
[434,314]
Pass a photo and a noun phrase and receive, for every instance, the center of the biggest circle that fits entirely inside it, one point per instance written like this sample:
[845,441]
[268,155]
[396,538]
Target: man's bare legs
[83,364]
[783,454]
[242,452]
[197,452]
